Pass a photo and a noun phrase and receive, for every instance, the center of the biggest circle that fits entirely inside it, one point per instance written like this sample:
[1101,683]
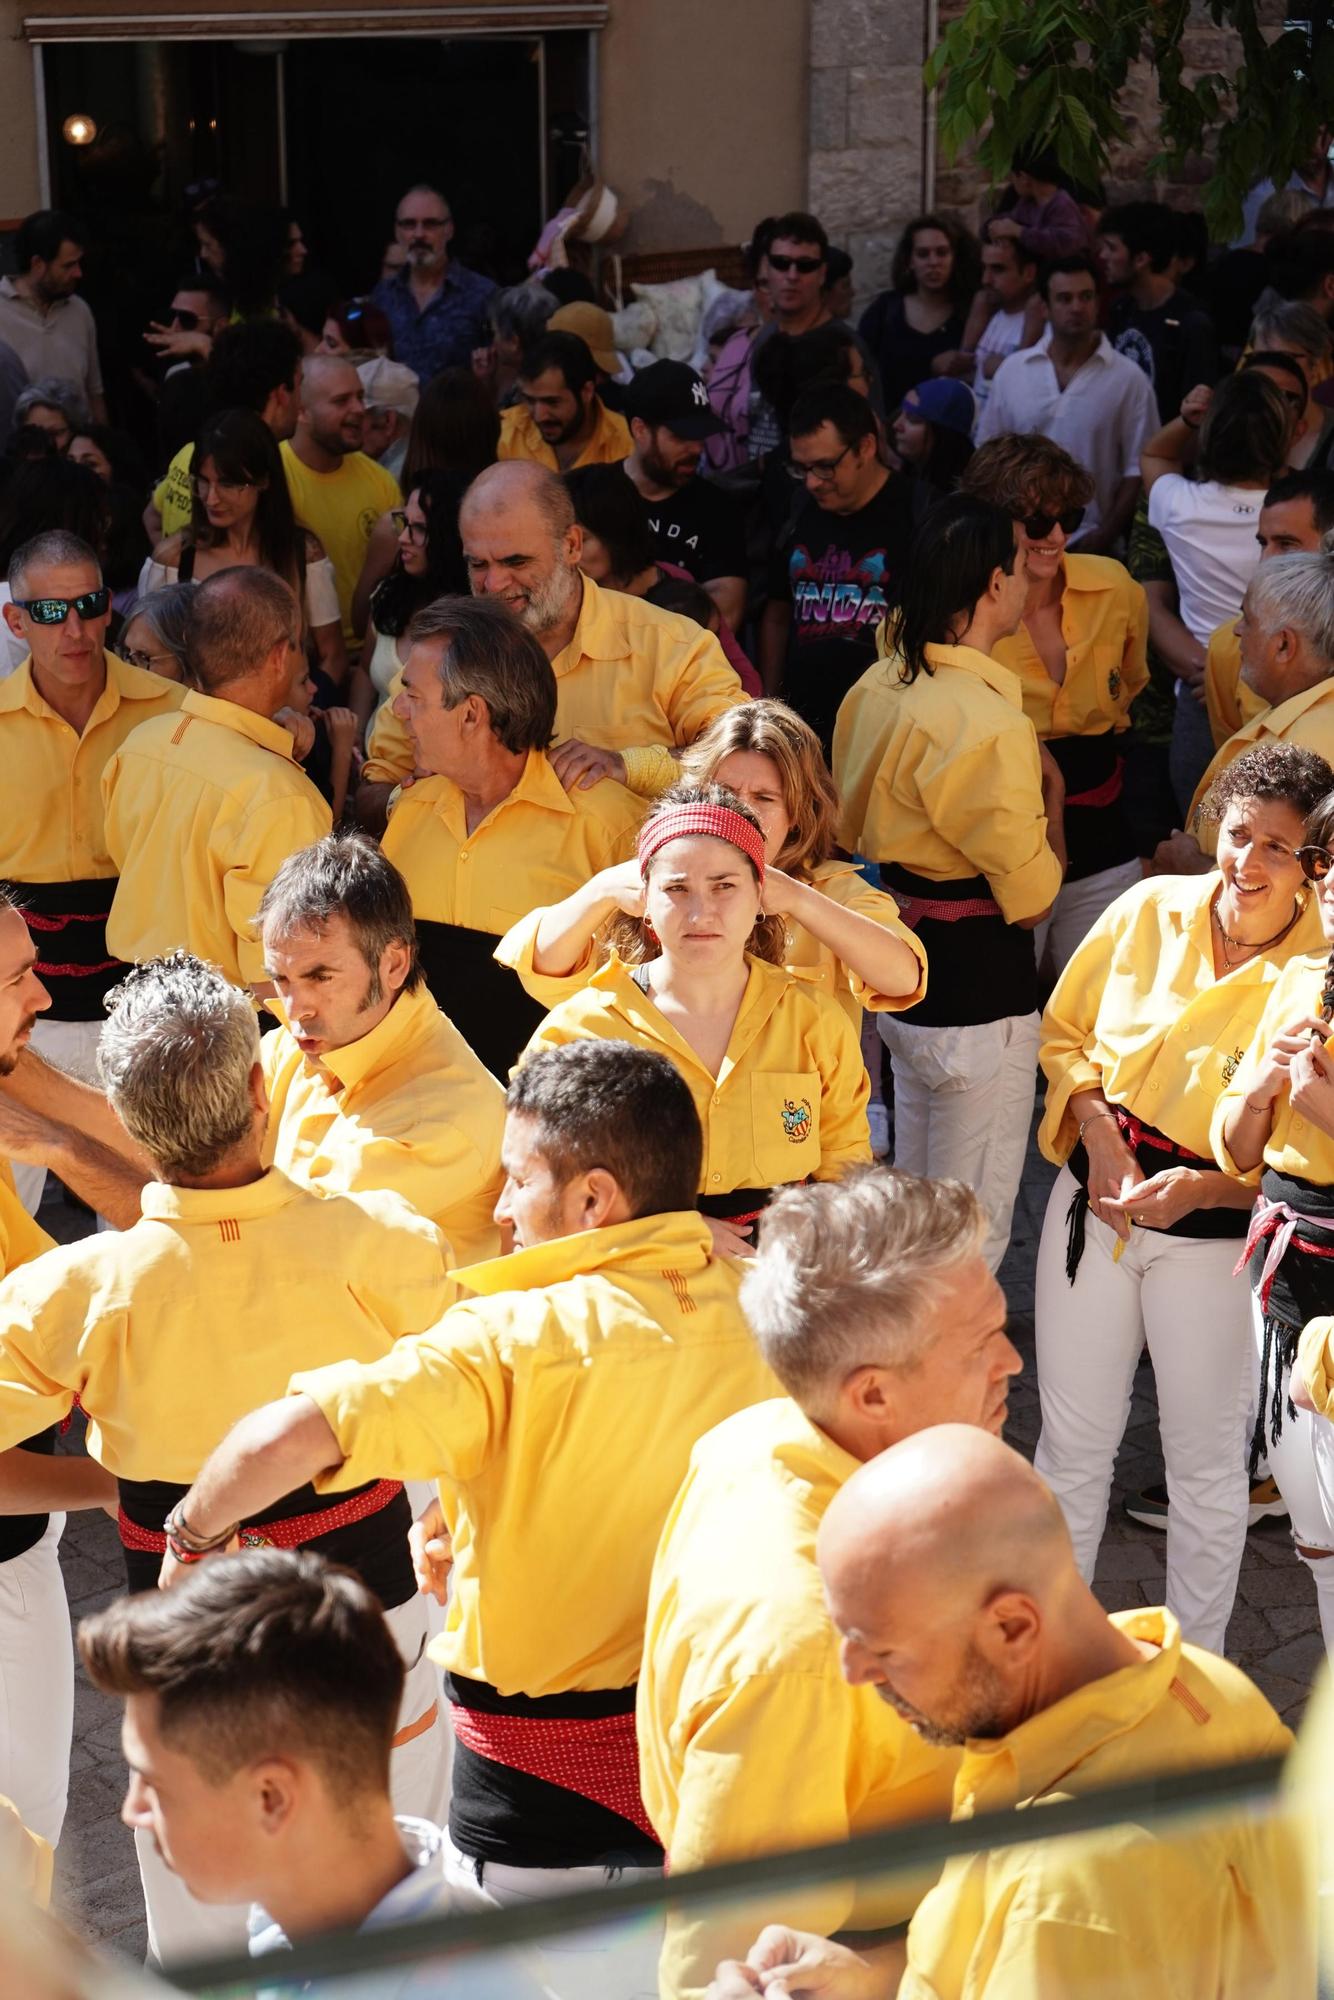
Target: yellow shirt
[1138,1013]
[1218,1909]
[21,1238]
[1306,720]
[169,1332]
[1105,625]
[341,508]
[750,1739]
[788,1103]
[172,495]
[54,825]
[805,955]
[520,438]
[943,776]
[202,810]
[633,679]
[1295,1145]
[558,1407]
[27,1860]
[536,847]
[1314,1364]
[408,1107]
[1230,703]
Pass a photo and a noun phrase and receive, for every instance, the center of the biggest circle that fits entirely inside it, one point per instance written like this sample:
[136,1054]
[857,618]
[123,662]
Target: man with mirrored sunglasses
[63,715]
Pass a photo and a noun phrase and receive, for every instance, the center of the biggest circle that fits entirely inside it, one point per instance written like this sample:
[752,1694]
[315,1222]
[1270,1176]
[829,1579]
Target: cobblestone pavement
[1274,1632]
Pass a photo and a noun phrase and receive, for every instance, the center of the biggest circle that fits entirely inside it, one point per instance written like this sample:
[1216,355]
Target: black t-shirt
[1174,344]
[699,528]
[902,354]
[840,573]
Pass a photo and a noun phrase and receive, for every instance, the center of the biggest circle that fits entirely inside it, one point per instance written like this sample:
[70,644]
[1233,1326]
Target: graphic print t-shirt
[840,573]
[700,528]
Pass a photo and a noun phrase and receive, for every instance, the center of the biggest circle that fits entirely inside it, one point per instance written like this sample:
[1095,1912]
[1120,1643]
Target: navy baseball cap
[941,401]
[670,393]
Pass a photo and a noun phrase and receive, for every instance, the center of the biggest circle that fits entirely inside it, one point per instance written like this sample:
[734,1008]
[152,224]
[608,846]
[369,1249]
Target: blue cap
[945,402]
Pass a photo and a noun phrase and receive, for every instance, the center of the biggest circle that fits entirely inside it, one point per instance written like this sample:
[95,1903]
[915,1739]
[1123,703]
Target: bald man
[872,1303]
[633,684]
[950,1575]
[337,491]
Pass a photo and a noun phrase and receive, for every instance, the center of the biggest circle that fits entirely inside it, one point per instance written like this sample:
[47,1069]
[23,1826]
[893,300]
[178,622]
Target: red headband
[676,822]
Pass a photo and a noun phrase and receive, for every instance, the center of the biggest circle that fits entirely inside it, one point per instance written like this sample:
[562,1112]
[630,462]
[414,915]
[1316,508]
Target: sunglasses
[182,317]
[55,610]
[1038,526]
[803,264]
[1316,862]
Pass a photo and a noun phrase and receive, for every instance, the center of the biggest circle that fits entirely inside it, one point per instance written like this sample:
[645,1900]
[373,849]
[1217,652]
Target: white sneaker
[877,1117]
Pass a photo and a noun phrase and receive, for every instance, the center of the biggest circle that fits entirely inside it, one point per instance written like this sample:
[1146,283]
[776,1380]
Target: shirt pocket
[785,1125]
[1108,698]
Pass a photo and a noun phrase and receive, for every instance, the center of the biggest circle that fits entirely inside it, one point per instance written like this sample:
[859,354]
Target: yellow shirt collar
[537,785]
[765,987]
[1278,720]
[409,1016]
[123,683]
[597,636]
[241,721]
[1034,1758]
[160,1202]
[1000,679]
[679,1241]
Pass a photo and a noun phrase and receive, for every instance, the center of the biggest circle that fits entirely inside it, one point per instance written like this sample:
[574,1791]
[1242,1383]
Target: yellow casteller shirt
[943,776]
[1306,720]
[536,847]
[341,508]
[633,679]
[1105,625]
[170,1332]
[21,1238]
[520,438]
[172,496]
[55,826]
[407,1108]
[557,1406]
[789,1102]
[804,955]
[750,1740]
[202,809]
[1295,1145]
[1138,1013]
[1222,1908]
[1230,703]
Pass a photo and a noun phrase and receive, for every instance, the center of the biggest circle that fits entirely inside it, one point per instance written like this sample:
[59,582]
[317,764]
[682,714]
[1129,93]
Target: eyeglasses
[146,661]
[821,470]
[201,488]
[55,610]
[414,530]
[1038,526]
[182,317]
[1316,862]
[803,264]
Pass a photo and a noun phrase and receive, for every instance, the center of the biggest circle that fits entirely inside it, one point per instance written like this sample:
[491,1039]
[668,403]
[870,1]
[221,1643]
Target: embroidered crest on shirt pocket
[1114,683]
[1231,1064]
[796,1118]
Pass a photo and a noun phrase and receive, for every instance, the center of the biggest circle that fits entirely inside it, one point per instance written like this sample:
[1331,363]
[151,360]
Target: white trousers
[1077,908]
[67,1045]
[1301,1459]
[179,1926]
[606,1962]
[963,1104]
[1178,1295]
[36,1684]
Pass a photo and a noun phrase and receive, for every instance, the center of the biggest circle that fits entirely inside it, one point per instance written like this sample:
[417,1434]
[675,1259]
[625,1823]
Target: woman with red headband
[695,972]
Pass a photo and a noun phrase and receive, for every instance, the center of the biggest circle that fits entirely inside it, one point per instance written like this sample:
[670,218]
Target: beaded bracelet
[178,1530]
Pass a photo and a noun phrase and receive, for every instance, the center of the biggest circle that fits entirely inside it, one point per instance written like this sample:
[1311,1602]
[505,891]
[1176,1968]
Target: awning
[105,20]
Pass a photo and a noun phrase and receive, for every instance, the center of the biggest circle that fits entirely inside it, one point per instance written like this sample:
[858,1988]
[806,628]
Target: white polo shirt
[1104,416]
[61,342]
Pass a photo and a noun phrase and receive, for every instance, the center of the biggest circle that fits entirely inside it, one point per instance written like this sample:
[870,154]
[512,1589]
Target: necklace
[1263,944]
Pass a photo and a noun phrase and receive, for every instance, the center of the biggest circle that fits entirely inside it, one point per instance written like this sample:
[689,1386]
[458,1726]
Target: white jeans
[617,1961]
[1077,908]
[963,1103]
[67,1045]
[1301,1459]
[180,1927]
[1177,1294]
[36,1684]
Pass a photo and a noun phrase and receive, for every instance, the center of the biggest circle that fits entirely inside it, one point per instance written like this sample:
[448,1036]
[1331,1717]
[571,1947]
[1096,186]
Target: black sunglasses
[1038,526]
[803,264]
[55,610]
[182,317]
[1316,862]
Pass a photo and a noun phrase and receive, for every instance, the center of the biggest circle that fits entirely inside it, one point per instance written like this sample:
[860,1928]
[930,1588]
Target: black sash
[21,1532]
[1096,837]
[376,1547]
[1302,1289]
[485,1001]
[68,921]
[979,969]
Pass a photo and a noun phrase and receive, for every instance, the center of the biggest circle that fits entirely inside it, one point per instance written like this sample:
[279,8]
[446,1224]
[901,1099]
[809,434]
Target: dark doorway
[365,119]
